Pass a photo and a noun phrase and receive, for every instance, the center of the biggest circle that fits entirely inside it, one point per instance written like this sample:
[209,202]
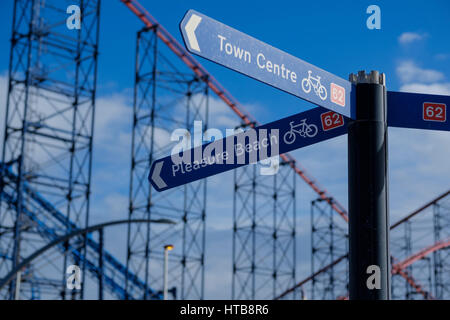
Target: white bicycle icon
[303,129]
[314,82]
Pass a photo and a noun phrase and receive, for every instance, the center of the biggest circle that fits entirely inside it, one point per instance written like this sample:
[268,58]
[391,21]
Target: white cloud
[220,114]
[409,37]
[112,113]
[409,72]
[432,88]
[114,206]
[442,56]
[418,80]
[419,168]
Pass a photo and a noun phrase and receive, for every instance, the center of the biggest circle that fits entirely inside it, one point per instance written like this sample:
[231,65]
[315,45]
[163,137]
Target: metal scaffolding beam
[418,279]
[49,126]
[101,265]
[264,252]
[329,241]
[441,258]
[167,97]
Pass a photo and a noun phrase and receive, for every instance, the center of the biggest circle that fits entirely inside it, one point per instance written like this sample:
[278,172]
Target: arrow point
[156,175]
[190,28]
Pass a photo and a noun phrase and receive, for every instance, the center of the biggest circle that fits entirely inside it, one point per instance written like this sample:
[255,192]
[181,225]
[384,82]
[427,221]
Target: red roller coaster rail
[419,255]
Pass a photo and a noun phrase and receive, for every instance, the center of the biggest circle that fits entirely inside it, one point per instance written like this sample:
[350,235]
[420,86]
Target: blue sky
[412,48]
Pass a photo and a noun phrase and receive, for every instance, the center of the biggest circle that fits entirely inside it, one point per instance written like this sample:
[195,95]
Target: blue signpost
[418,111]
[219,43]
[247,147]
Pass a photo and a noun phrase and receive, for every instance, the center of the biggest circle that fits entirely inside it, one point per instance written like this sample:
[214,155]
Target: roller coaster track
[397,268]
[114,272]
[419,255]
[311,277]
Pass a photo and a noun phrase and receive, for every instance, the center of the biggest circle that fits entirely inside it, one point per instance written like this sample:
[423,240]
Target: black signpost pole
[369,260]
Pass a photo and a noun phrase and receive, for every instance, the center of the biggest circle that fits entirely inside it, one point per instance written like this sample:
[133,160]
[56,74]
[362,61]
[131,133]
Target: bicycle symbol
[303,129]
[314,82]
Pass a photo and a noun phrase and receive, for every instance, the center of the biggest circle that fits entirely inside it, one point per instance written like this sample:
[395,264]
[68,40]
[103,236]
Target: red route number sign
[331,120]
[337,94]
[434,112]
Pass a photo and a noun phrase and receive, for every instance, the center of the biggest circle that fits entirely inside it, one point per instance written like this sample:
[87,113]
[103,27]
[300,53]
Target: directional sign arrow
[219,43]
[190,27]
[251,146]
[418,111]
[156,175]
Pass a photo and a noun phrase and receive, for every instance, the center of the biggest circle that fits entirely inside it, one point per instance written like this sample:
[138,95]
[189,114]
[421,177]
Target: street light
[167,248]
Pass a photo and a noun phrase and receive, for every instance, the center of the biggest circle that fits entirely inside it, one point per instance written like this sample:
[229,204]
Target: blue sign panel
[219,43]
[418,111]
[262,143]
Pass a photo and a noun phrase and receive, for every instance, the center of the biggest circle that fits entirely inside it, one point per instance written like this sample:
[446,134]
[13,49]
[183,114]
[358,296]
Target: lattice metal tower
[441,258]
[264,251]
[48,134]
[402,246]
[167,96]
[409,237]
[329,241]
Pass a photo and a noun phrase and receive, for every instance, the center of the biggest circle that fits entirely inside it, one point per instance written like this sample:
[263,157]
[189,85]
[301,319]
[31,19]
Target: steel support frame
[420,272]
[329,241]
[165,99]
[431,272]
[402,246]
[441,258]
[49,129]
[264,227]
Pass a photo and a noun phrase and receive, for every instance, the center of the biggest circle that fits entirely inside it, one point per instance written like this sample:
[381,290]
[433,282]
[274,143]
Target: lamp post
[167,248]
